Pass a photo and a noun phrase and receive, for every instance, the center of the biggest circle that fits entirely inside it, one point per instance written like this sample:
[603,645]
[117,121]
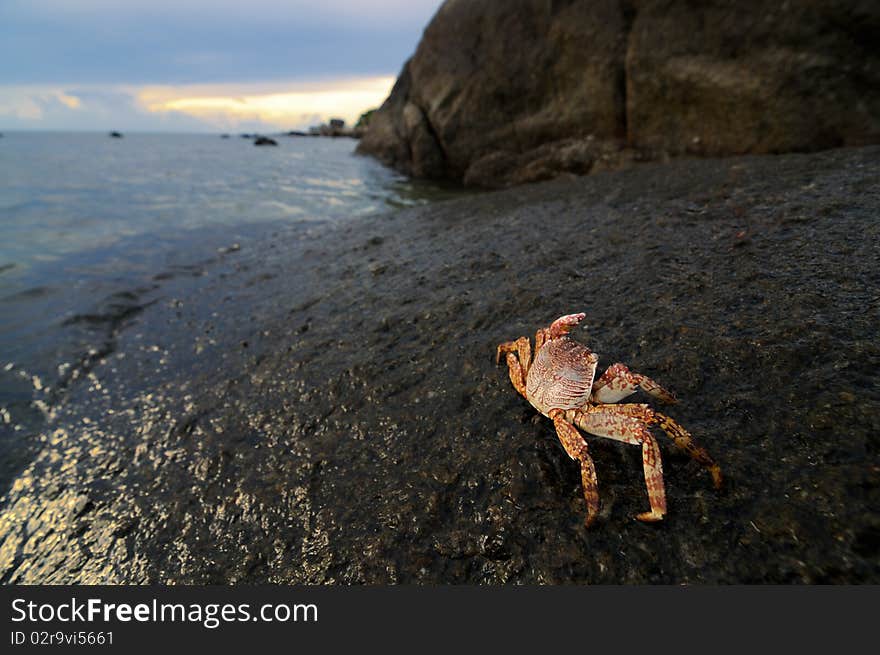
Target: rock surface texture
[501,93]
[323,405]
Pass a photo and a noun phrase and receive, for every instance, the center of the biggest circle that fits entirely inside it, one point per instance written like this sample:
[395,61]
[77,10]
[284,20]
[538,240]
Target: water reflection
[84,218]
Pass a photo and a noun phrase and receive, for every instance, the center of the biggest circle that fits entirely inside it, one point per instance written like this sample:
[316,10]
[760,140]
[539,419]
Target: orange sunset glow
[288,106]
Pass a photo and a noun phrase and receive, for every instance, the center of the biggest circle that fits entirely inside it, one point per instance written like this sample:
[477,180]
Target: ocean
[87,222]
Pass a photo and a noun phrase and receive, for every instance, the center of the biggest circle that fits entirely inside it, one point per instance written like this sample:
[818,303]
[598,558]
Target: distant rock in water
[224,136]
[334,128]
[116,135]
[504,93]
[265,141]
[247,136]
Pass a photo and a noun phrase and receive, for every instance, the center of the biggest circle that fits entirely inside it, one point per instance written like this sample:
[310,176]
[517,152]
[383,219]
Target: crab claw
[564,324]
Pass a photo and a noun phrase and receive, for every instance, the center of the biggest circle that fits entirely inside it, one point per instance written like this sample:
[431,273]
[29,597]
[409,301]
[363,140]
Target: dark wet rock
[265,141]
[365,435]
[115,135]
[82,505]
[501,93]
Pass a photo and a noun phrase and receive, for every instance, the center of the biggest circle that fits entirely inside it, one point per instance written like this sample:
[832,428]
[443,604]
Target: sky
[200,65]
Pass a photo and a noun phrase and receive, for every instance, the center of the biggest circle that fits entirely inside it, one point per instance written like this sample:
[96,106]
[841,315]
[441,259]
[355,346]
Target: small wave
[116,313]
[28,294]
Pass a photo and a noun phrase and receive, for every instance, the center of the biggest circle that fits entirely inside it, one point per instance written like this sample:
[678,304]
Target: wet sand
[325,407]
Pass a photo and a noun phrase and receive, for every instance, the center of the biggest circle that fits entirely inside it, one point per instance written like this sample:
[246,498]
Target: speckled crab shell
[561,376]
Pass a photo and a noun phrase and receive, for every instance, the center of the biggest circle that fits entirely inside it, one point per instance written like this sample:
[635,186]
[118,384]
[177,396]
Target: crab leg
[683,440]
[576,448]
[564,324]
[519,356]
[517,374]
[620,427]
[681,437]
[618,382]
[521,347]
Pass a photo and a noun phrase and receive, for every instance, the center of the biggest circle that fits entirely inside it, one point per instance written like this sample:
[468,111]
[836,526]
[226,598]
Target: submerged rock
[325,408]
[509,92]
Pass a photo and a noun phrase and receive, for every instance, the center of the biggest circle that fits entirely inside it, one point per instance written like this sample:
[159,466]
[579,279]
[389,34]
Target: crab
[559,381]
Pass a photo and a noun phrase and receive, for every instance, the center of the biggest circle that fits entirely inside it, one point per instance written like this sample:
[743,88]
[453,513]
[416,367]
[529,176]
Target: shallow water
[89,223]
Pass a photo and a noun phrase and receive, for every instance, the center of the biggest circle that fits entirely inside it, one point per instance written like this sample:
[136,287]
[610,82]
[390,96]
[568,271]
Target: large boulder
[502,93]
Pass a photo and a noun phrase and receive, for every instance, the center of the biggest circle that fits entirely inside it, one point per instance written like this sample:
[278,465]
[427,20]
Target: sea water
[87,220]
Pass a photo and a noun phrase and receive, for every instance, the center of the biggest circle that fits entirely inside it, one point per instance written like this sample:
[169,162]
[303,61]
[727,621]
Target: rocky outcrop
[363,122]
[503,93]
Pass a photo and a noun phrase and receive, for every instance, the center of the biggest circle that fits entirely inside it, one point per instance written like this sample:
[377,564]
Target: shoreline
[325,408]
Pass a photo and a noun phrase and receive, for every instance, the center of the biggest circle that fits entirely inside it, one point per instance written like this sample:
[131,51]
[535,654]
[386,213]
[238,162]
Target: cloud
[39,107]
[174,42]
[36,104]
[198,107]
[173,65]
[346,12]
[292,106]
